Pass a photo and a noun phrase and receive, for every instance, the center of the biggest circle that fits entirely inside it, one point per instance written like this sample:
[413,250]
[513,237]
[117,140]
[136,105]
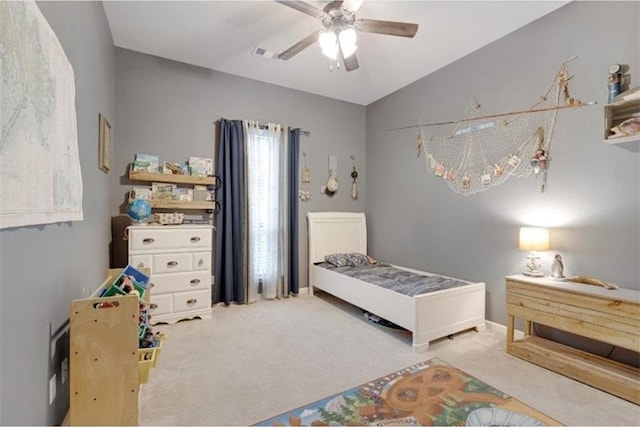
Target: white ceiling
[221,35]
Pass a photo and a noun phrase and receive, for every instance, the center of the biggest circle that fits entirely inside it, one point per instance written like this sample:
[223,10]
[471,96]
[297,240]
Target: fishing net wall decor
[484,150]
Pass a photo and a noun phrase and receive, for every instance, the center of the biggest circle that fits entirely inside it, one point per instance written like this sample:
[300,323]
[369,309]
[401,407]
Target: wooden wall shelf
[172,179]
[177,204]
[179,180]
[616,113]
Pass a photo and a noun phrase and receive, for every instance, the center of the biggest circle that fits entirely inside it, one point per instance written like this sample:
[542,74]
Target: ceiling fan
[338,39]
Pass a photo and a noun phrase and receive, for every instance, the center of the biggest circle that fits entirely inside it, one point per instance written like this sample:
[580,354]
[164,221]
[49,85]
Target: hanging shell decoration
[304,194]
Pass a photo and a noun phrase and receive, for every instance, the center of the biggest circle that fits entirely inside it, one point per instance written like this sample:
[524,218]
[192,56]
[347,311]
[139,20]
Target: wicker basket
[169,218]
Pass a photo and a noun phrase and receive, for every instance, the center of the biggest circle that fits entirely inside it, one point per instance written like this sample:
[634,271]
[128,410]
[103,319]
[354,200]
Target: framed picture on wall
[105,142]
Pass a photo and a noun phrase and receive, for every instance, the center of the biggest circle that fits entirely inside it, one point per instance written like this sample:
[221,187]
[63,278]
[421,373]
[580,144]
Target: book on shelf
[201,193]
[146,163]
[173,168]
[183,194]
[200,166]
[141,193]
[195,221]
[162,190]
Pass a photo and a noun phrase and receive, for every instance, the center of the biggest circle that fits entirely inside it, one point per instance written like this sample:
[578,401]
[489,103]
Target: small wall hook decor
[332,183]
[354,175]
[304,193]
[306,174]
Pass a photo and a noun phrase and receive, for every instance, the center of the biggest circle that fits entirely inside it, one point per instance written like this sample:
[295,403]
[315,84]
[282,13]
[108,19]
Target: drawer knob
[172,263]
[148,240]
[141,265]
[192,301]
[201,261]
[153,306]
[195,239]
[195,281]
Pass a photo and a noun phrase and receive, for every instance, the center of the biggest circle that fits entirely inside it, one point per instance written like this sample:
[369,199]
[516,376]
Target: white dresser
[180,260]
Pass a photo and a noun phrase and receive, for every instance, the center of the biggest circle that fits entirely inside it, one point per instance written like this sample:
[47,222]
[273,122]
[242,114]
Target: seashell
[629,127]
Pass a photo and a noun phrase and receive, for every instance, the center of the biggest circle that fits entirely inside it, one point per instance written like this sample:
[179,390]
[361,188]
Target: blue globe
[139,210]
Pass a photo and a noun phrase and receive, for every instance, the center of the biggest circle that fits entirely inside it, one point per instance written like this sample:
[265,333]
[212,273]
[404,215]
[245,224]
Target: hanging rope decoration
[484,150]
[304,194]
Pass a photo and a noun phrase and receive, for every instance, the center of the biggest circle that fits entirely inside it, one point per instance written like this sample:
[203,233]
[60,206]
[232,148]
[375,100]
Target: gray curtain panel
[292,191]
[230,270]
[230,260]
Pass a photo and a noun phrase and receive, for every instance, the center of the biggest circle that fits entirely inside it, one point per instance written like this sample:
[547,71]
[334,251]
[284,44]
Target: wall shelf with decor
[171,178]
[617,114]
[183,180]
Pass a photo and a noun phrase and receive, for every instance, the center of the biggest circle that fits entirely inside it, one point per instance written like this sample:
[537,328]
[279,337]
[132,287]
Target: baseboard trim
[497,327]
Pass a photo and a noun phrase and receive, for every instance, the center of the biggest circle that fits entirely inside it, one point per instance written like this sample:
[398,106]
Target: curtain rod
[303,132]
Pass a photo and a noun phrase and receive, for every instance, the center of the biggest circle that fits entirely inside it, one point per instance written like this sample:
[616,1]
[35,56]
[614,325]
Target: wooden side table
[609,316]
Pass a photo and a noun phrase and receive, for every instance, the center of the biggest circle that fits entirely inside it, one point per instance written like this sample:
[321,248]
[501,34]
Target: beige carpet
[251,362]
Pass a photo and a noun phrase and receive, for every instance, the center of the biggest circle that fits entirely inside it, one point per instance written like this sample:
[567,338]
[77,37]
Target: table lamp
[533,239]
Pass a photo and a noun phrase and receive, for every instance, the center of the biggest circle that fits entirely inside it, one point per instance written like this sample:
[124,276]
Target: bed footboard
[444,313]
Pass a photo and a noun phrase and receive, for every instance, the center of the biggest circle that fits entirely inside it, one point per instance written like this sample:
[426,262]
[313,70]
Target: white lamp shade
[329,44]
[348,42]
[534,239]
[326,39]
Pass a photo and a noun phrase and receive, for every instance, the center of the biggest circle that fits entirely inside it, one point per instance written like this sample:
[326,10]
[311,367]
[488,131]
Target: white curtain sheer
[267,180]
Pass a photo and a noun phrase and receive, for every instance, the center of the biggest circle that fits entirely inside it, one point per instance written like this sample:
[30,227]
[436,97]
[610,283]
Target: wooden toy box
[106,365]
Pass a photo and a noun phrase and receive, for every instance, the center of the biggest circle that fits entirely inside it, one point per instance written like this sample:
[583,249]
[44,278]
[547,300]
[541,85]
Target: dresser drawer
[160,304]
[180,282]
[140,261]
[202,261]
[191,300]
[171,263]
[153,239]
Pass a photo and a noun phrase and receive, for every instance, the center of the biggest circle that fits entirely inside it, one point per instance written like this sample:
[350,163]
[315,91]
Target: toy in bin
[130,282]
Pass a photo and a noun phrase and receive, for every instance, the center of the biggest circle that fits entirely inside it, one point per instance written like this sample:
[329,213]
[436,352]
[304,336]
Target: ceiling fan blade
[350,63]
[299,47]
[402,29]
[303,7]
[352,5]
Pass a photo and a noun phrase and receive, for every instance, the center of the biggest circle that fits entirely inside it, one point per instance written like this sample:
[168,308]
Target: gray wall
[45,267]
[592,199]
[169,109]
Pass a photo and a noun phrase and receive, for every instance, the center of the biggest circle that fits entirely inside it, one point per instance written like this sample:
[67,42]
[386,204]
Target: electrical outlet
[64,369]
[52,389]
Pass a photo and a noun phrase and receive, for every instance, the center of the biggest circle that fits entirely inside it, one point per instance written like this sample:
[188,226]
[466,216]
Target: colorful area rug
[428,393]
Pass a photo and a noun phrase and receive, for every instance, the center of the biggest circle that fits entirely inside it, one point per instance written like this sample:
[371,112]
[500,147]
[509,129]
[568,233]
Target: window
[265,204]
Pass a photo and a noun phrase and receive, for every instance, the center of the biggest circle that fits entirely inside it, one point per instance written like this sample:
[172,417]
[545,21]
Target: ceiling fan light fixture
[331,52]
[348,40]
[329,44]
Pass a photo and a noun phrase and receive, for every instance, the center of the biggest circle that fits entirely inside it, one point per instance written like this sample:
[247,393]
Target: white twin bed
[428,316]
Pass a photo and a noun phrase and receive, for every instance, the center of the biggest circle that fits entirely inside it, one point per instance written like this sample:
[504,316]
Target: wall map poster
[40,177]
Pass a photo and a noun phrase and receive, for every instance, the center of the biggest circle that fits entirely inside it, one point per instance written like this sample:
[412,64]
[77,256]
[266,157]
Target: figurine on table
[557,268]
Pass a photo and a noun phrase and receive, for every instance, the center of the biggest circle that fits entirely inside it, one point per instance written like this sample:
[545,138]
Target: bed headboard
[336,232]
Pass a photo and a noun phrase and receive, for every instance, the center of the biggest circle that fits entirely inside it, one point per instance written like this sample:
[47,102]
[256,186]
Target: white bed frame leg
[420,347]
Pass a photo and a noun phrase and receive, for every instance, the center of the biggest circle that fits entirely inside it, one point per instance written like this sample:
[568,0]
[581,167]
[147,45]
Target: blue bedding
[395,279]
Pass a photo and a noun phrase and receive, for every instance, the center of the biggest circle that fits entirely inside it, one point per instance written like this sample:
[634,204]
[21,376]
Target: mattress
[396,279]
